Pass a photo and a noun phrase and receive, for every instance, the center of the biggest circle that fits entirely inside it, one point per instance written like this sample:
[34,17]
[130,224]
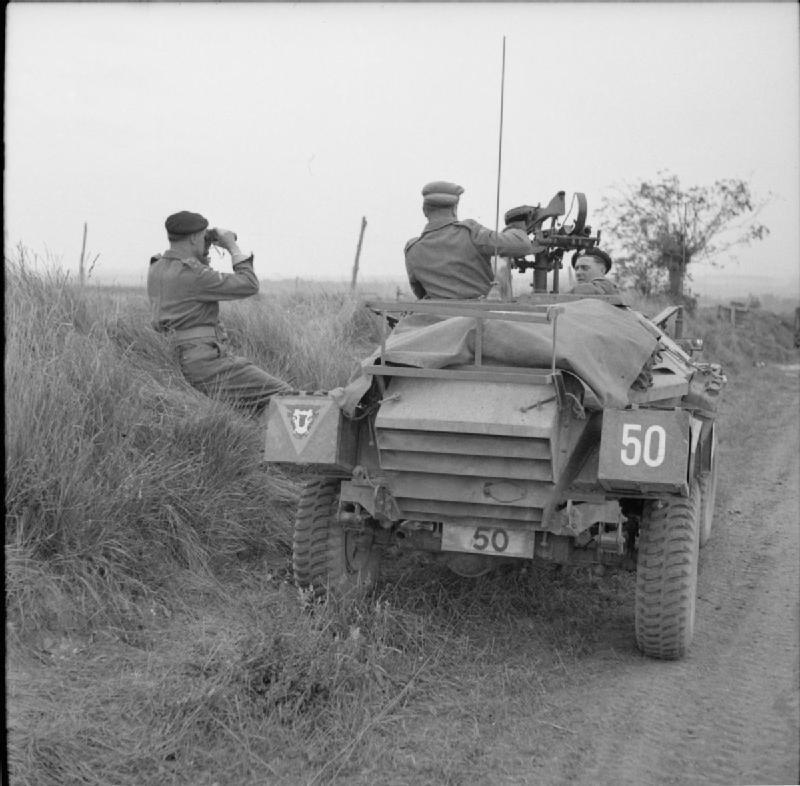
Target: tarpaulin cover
[604,346]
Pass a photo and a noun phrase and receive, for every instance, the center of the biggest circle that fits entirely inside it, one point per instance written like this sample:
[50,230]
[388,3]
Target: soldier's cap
[593,252]
[185,223]
[440,193]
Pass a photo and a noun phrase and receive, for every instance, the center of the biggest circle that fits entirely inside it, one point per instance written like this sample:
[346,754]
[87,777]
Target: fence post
[81,272]
[358,252]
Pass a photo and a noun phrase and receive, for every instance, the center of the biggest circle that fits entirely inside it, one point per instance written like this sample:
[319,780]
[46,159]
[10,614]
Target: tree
[657,228]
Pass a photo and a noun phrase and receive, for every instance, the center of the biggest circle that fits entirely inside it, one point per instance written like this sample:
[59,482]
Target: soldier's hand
[225,238]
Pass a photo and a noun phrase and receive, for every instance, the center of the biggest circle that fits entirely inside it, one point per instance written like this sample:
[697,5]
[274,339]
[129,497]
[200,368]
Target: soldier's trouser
[209,366]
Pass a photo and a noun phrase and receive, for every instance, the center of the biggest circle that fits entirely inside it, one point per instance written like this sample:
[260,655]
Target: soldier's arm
[243,282]
[416,287]
[207,284]
[511,242]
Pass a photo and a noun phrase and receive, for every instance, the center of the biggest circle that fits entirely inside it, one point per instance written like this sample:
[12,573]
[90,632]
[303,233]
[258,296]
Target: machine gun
[550,242]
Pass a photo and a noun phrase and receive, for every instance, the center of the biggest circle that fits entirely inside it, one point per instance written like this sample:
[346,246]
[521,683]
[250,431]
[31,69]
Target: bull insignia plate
[302,420]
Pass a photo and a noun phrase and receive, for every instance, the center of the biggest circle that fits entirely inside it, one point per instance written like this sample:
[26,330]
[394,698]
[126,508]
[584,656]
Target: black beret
[185,223]
[597,253]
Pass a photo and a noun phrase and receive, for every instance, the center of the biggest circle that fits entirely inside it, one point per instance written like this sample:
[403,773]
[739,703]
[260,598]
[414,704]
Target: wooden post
[81,272]
[358,251]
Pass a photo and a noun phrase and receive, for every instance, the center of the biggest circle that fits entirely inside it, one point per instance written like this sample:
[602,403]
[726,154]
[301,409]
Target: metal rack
[481,311]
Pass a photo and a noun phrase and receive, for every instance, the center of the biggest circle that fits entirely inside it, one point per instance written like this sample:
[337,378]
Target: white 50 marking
[633,450]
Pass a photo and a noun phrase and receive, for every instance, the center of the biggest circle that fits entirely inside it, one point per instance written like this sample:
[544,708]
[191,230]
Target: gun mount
[552,240]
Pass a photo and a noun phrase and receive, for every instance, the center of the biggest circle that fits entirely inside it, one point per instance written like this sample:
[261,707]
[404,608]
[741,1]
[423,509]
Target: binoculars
[212,238]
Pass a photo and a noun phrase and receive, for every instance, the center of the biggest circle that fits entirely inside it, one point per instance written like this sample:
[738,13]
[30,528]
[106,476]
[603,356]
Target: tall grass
[760,337]
[137,514]
[312,339]
[117,472]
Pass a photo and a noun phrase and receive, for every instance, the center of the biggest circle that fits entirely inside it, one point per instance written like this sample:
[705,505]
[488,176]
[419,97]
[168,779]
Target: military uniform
[597,286]
[184,296]
[452,259]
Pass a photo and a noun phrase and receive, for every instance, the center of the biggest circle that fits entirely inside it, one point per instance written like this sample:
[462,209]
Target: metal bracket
[353,520]
[371,494]
[611,541]
[560,389]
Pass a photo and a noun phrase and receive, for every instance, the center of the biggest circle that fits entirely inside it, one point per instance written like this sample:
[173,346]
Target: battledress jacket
[452,259]
[184,293]
[597,286]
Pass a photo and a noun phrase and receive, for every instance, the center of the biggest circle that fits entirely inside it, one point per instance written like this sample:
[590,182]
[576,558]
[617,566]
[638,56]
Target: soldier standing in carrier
[451,259]
[184,293]
[591,268]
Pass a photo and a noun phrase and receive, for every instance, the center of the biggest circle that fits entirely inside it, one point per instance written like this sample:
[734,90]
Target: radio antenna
[499,156]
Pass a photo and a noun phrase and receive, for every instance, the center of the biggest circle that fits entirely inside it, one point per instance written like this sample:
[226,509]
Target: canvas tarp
[603,345]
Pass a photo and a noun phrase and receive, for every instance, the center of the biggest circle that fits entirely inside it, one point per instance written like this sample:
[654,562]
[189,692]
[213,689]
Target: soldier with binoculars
[184,293]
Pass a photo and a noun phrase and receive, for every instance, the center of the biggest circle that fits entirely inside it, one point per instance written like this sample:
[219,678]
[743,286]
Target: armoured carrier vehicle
[548,427]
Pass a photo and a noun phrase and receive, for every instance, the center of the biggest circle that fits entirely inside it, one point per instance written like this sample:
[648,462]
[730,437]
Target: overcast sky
[288,123]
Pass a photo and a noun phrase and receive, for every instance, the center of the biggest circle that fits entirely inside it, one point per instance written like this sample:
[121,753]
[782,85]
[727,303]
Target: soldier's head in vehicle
[186,231]
[591,264]
[440,198]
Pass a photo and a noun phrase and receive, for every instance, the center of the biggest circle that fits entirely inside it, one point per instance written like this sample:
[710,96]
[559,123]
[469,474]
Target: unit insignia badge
[302,420]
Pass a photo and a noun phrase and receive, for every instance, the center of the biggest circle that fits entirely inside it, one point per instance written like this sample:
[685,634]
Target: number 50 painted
[652,447]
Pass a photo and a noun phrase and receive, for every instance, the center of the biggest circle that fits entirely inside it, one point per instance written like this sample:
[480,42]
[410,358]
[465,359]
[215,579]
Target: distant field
[366,287]
[778,294]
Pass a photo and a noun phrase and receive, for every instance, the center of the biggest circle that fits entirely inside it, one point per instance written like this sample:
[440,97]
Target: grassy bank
[153,633]
[118,473]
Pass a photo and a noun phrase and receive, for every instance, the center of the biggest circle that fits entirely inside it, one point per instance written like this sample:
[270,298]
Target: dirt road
[538,700]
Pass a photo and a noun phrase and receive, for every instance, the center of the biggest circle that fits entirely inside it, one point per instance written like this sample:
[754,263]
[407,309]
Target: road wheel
[325,555]
[666,575]
[708,494]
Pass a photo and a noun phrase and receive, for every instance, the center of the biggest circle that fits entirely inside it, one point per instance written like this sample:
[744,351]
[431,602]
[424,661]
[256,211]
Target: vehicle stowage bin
[645,451]
[310,429]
